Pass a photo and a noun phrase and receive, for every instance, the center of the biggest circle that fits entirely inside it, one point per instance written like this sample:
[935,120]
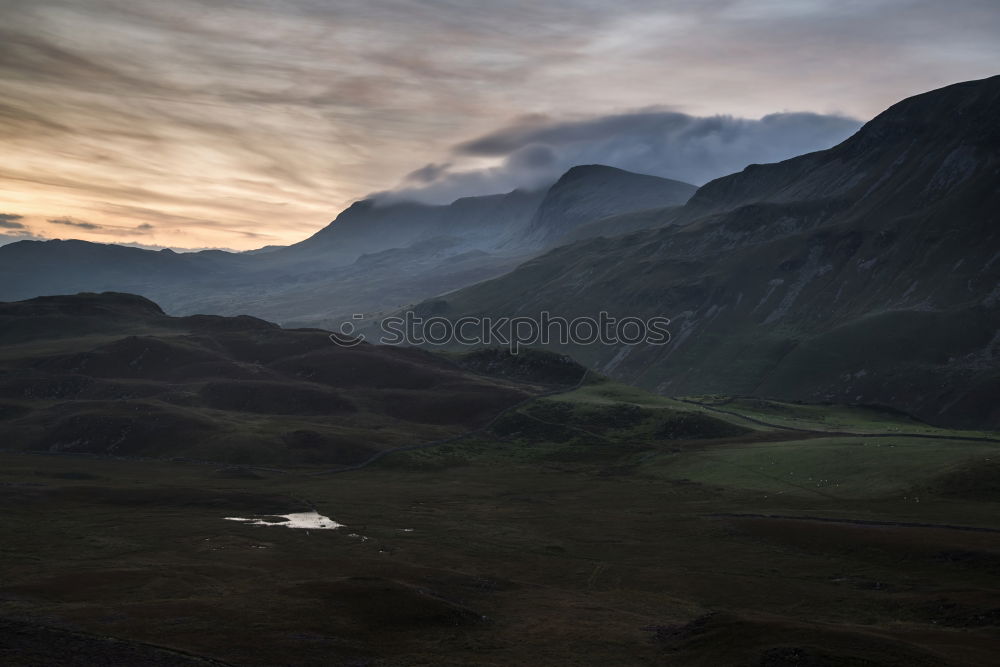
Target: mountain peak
[359,206]
[968,109]
[584,170]
[603,171]
[590,192]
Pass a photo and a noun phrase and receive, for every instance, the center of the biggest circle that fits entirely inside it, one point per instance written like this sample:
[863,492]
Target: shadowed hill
[111,374]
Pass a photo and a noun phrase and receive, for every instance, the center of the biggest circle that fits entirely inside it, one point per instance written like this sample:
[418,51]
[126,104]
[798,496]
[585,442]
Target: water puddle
[307,520]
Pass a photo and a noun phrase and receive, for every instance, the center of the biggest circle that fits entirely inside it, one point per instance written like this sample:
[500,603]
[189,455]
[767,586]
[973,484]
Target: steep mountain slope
[367,226]
[626,223]
[869,272]
[111,374]
[592,192]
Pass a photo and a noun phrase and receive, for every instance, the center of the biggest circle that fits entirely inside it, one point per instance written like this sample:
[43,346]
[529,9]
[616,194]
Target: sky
[239,124]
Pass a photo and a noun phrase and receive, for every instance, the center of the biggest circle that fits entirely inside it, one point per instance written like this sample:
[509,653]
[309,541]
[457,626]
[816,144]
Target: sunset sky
[238,124]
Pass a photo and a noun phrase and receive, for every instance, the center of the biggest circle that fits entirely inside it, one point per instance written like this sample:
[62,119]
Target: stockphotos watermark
[511,332]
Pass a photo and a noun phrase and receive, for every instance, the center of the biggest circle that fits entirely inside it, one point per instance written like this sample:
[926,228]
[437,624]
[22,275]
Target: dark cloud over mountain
[82,224]
[10,221]
[12,229]
[535,150]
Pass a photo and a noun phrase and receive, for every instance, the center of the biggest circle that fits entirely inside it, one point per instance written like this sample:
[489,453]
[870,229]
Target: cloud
[428,173]
[144,227]
[268,117]
[18,230]
[82,224]
[534,151]
[10,221]
[533,156]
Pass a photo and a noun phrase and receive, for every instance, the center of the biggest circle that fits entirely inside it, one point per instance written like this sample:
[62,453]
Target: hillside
[110,374]
[865,273]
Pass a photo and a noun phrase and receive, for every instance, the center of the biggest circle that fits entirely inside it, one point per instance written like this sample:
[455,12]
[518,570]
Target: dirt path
[855,434]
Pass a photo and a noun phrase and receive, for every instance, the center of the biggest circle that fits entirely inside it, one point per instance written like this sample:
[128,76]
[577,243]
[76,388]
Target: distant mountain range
[866,273]
[372,257]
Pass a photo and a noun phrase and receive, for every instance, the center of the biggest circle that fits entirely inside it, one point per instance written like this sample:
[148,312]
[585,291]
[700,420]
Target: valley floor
[597,544]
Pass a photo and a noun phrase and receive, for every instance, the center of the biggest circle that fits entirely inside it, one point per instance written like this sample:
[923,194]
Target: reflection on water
[310,520]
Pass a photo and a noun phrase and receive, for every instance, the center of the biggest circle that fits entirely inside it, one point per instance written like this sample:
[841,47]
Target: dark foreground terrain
[602,526]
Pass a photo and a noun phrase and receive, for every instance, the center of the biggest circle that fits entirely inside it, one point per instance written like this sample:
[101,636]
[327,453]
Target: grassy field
[601,527]
[830,467]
